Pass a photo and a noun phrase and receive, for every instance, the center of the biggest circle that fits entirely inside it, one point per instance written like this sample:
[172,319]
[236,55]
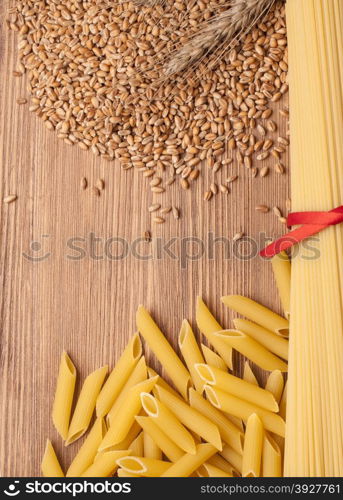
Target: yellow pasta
[85,404]
[162,440]
[208,325]
[143,466]
[150,447]
[272,461]
[274,343]
[137,445]
[212,471]
[275,384]
[191,418]
[50,465]
[248,374]
[232,457]
[165,419]
[86,454]
[125,416]
[163,351]
[253,444]
[283,402]
[64,395]
[257,313]
[191,353]
[213,359]
[105,464]
[124,473]
[243,409]
[134,430]
[119,376]
[230,434]
[220,462]
[282,274]
[237,387]
[189,463]
[139,374]
[162,383]
[252,350]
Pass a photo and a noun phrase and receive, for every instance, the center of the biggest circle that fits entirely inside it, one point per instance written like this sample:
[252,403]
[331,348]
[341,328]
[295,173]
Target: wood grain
[87,306]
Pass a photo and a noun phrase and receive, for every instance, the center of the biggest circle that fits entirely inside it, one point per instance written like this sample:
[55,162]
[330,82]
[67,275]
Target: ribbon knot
[313,223]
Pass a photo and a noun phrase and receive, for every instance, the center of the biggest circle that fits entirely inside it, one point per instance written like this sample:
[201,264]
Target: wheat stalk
[228,26]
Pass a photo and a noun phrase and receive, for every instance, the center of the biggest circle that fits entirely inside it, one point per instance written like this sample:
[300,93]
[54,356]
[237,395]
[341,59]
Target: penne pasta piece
[274,343]
[50,465]
[162,440]
[124,473]
[143,466]
[271,457]
[86,454]
[275,385]
[243,409]
[135,429]
[208,325]
[137,445]
[283,402]
[150,448]
[258,313]
[212,471]
[230,434]
[282,273]
[220,462]
[191,418]
[253,444]
[191,353]
[212,358]
[232,457]
[125,416]
[162,382]
[64,395]
[138,375]
[85,404]
[165,419]
[189,463]
[248,375]
[252,350]
[237,387]
[163,351]
[105,464]
[119,376]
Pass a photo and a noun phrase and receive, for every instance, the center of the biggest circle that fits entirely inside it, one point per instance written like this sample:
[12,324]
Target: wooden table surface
[54,297]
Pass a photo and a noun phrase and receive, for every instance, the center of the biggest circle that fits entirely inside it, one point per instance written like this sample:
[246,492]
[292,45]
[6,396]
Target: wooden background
[87,306]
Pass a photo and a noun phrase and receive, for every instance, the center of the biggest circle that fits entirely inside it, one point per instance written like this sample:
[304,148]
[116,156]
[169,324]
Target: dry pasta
[253,444]
[248,374]
[50,465]
[150,447]
[105,464]
[191,353]
[212,471]
[271,457]
[64,395]
[275,385]
[162,440]
[212,358]
[282,273]
[143,466]
[189,463]
[137,445]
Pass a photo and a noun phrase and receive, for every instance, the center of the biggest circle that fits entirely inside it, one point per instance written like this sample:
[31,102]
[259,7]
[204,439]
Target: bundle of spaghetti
[314,434]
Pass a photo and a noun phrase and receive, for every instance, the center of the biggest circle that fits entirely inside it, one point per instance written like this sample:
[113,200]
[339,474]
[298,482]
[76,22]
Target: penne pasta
[150,448]
[86,454]
[248,374]
[161,382]
[189,463]
[191,353]
[124,473]
[137,445]
[271,461]
[134,430]
[229,433]
[212,358]
[85,404]
[258,313]
[64,395]
[253,443]
[165,419]
[143,466]
[163,351]
[232,457]
[208,325]
[220,462]
[139,374]
[274,343]
[275,384]
[283,402]
[282,274]
[162,440]
[125,416]
[50,465]
[119,376]
[252,350]
[212,471]
[105,464]
[237,387]
[243,409]
[191,418]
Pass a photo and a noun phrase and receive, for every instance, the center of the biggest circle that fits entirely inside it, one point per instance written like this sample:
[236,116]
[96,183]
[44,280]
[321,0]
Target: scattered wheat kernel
[155,181]
[148,173]
[154,207]
[247,162]
[10,198]
[283,220]
[217,166]
[147,236]
[227,161]
[157,189]
[158,220]
[194,175]
[170,181]
[176,213]
[283,141]
[224,189]
[21,100]
[100,184]
[277,211]
[208,195]
[238,236]
[279,168]
[214,188]
[166,210]
[232,178]
[184,183]
[96,191]
[83,183]
[262,208]
[263,156]
[264,171]
[254,172]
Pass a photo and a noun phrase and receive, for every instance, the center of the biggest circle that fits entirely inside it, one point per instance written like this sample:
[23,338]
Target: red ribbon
[314,222]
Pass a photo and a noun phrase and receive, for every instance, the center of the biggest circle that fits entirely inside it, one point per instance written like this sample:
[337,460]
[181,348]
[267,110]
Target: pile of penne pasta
[211,424]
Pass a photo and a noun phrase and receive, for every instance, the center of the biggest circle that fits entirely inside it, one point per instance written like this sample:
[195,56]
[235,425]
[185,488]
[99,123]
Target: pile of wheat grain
[96,74]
